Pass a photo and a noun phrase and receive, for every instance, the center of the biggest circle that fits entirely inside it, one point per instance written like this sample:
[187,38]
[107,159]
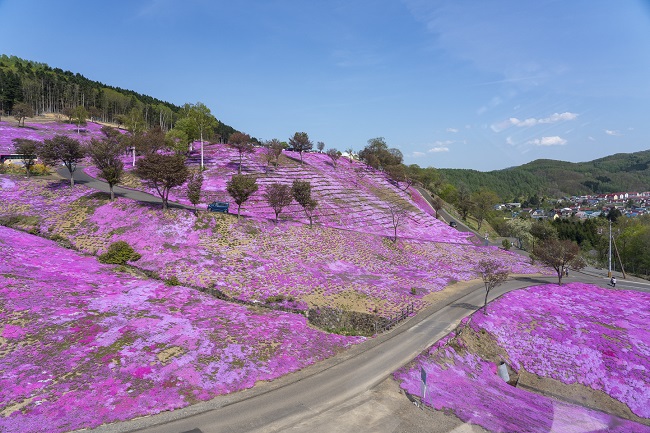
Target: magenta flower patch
[575,333]
[82,344]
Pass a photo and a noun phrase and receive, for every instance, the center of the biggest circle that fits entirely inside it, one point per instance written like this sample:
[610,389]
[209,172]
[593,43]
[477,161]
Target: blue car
[218,206]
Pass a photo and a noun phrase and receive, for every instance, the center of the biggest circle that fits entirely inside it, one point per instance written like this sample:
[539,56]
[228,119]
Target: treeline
[630,246]
[549,178]
[52,90]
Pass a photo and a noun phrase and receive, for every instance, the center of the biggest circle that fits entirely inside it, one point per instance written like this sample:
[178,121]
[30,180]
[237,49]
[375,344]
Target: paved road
[279,405]
[320,389]
[82,178]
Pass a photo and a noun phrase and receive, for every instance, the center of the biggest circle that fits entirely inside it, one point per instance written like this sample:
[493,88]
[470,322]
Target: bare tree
[21,111]
[105,154]
[398,215]
[493,275]
[241,187]
[162,172]
[559,255]
[437,204]
[27,148]
[242,143]
[320,146]
[64,149]
[278,196]
[334,156]
[301,191]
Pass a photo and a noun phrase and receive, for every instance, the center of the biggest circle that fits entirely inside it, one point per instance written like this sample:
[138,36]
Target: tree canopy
[162,172]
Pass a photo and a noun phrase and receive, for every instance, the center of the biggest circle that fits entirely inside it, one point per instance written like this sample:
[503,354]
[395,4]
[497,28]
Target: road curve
[277,405]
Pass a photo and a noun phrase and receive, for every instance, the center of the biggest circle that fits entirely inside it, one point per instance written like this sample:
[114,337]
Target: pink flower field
[82,344]
[253,259]
[575,334]
[43,131]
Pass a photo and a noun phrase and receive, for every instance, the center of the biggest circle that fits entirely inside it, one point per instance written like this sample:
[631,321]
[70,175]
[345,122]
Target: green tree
[334,156]
[301,143]
[242,144]
[493,275]
[190,128]
[301,192]
[519,228]
[278,196]
[194,185]
[204,120]
[162,172]
[241,187]
[80,115]
[177,141]
[483,204]
[320,146]
[463,201]
[27,148]
[105,154]
[559,255]
[64,149]
[21,111]
[134,121]
[378,155]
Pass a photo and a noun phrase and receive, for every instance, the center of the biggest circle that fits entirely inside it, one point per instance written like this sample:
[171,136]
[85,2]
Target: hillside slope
[614,173]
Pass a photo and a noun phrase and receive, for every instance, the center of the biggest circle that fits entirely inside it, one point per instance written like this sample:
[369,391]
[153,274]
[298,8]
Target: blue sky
[455,84]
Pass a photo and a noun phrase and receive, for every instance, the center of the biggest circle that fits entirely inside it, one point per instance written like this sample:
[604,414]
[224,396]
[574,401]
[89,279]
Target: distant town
[630,204]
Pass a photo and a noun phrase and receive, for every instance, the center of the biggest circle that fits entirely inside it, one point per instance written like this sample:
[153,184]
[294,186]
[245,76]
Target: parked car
[454,224]
[219,206]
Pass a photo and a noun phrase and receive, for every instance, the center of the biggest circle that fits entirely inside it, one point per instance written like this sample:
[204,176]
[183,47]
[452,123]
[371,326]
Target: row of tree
[35,88]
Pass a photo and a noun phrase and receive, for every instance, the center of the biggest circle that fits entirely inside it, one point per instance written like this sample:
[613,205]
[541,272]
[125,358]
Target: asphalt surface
[328,390]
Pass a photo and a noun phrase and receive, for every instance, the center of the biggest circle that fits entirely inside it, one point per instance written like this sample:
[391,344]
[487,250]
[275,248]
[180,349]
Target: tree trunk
[487,292]
[238,209]
[110,186]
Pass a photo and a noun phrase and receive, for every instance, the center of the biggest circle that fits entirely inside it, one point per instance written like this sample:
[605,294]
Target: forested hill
[545,177]
[54,90]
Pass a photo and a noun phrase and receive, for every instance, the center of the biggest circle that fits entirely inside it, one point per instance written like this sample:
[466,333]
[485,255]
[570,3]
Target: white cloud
[510,141]
[531,121]
[548,141]
[612,133]
[438,149]
[452,130]
[419,153]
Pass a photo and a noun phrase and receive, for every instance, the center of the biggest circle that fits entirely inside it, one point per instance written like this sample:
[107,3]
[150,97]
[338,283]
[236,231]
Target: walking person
[613,281]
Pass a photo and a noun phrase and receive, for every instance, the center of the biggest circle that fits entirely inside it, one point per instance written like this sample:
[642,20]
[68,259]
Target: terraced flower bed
[251,260]
[82,344]
[586,338]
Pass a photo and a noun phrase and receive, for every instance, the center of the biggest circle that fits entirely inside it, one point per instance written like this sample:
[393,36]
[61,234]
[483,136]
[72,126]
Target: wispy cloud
[440,146]
[418,153]
[532,121]
[454,130]
[612,133]
[548,141]
[438,149]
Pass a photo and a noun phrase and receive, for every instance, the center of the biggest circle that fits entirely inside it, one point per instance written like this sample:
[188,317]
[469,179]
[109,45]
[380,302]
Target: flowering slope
[43,131]
[82,345]
[350,196]
[576,333]
[253,260]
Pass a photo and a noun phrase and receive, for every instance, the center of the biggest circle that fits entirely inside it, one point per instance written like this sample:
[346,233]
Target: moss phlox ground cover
[253,259]
[82,345]
[575,333]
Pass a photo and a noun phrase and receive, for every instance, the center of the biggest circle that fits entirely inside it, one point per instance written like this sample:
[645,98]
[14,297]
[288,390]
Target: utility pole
[609,273]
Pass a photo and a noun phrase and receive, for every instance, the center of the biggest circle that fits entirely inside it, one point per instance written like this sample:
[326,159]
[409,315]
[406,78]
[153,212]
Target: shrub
[119,253]
[506,244]
[172,281]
